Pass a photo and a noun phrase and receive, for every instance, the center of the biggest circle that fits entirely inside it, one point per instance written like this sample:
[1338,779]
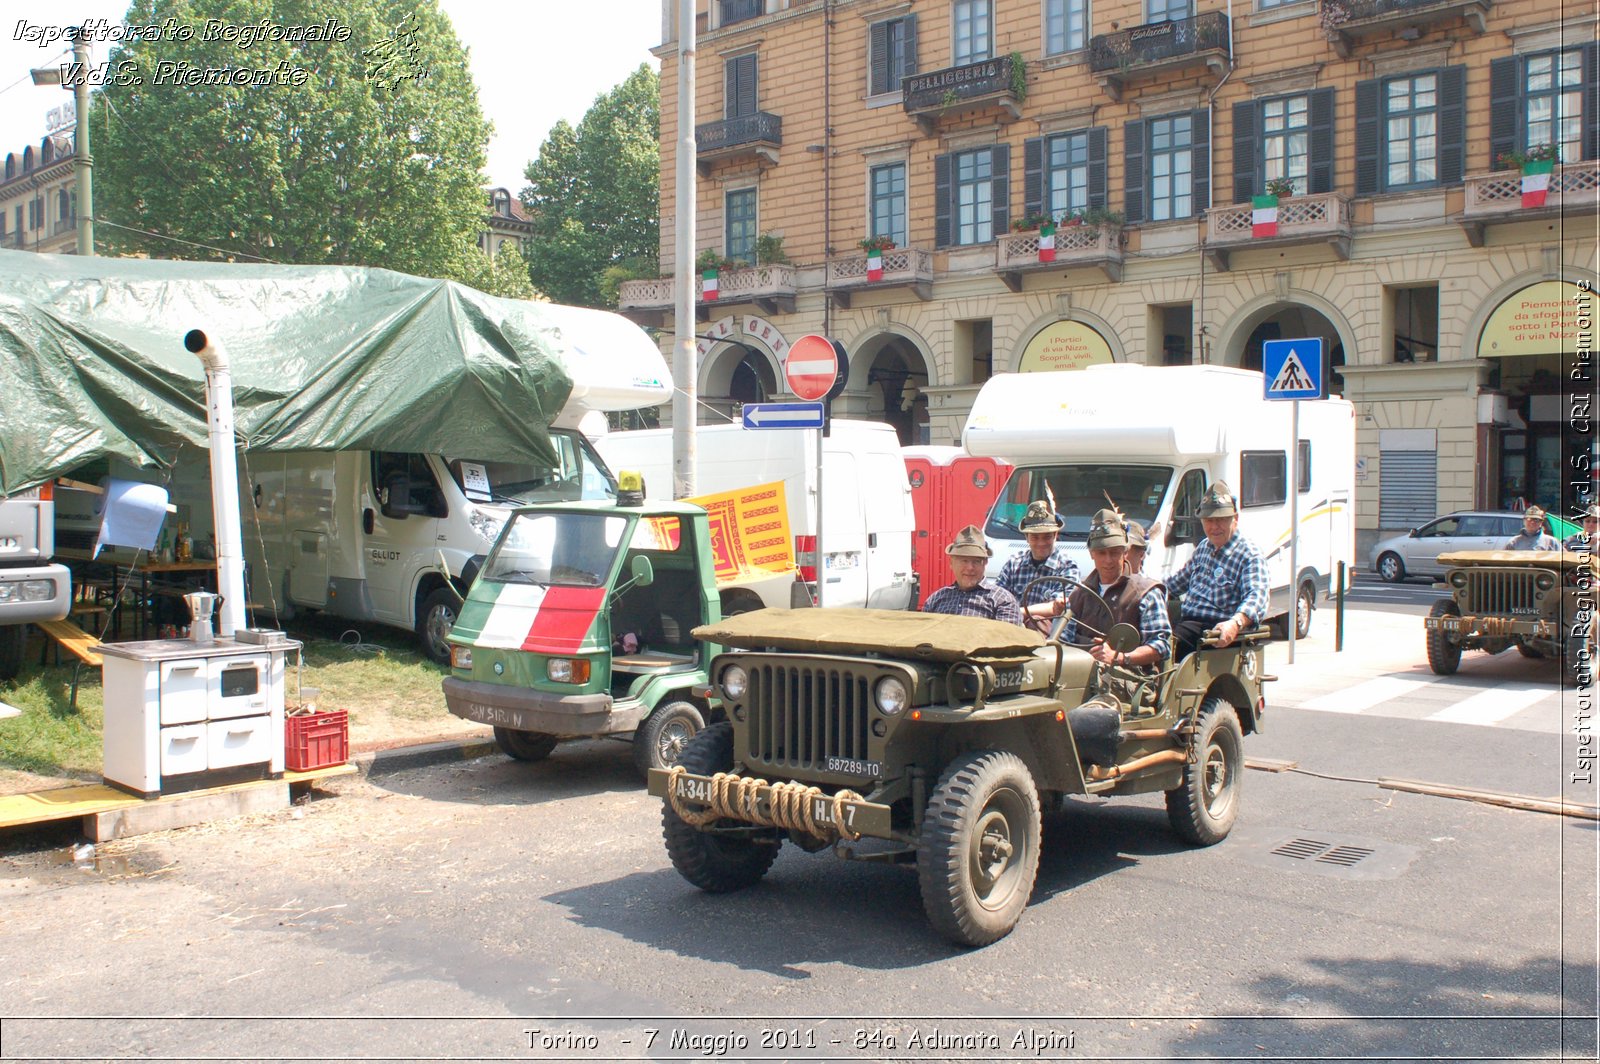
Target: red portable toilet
[950,489]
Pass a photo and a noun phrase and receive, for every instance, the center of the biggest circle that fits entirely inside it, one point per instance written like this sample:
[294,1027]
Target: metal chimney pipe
[224,479]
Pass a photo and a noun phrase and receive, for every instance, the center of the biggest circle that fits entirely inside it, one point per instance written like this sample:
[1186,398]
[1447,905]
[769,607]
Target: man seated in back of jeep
[971,595]
[1224,584]
[1585,540]
[1137,543]
[1109,596]
[1533,536]
[1041,559]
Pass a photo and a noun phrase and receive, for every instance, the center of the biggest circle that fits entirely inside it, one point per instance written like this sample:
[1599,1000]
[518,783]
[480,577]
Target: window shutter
[1201,161]
[1368,123]
[1503,107]
[1097,167]
[941,200]
[1244,150]
[741,86]
[1452,124]
[1133,171]
[878,60]
[1407,488]
[1033,176]
[1002,189]
[1591,100]
[911,45]
[1319,170]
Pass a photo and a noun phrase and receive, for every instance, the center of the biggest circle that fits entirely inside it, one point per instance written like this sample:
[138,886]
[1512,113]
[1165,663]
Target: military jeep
[1537,601]
[934,740]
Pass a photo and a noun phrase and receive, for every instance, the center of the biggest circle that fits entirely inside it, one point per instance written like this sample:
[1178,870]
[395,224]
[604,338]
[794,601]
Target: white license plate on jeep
[694,789]
[853,767]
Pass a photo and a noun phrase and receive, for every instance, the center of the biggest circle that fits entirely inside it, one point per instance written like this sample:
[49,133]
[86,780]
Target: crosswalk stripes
[1521,705]
[1362,697]
[1495,705]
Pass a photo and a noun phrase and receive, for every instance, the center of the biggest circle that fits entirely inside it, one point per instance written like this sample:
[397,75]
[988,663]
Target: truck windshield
[1079,490]
[579,474]
[566,549]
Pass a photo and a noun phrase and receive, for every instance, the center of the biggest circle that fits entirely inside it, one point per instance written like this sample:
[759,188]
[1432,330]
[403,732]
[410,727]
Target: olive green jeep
[1540,602]
[935,740]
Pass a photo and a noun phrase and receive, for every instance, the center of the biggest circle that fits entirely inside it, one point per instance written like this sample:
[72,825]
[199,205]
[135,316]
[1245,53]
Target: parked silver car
[1417,552]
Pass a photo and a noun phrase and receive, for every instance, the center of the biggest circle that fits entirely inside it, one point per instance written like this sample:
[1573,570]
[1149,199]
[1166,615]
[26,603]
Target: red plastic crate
[316,740]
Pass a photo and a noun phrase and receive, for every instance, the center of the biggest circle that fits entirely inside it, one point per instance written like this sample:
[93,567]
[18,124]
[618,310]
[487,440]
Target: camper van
[868,517]
[1151,439]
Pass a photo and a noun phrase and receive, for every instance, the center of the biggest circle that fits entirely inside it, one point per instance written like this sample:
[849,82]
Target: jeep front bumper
[522,709]
[829,815]
[1471,626]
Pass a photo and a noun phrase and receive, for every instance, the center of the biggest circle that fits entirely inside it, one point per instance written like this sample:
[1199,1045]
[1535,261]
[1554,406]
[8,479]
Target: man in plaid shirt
[1110,594]
[971,595]
[1224,584]
[1040,559]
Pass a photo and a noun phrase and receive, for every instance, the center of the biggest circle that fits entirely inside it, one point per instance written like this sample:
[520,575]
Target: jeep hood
[895,633]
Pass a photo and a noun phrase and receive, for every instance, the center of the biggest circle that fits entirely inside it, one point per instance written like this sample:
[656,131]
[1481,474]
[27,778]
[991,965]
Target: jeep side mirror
[643,573]
[1123,638]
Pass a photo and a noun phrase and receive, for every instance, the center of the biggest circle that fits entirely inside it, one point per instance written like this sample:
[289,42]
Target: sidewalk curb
[422,755]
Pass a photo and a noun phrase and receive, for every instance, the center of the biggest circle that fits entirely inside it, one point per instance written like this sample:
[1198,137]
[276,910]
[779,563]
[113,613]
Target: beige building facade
[39,197]
[1454,316]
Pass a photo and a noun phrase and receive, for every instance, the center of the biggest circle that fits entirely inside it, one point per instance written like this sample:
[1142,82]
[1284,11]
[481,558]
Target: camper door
[399,523]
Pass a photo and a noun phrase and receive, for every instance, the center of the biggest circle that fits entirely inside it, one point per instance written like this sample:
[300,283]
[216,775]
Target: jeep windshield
[579,473]
[564,549]
[1079,491]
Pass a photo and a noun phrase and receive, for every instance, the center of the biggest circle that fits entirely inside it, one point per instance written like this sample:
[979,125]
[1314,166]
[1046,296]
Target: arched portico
[890,372]
[1280,317]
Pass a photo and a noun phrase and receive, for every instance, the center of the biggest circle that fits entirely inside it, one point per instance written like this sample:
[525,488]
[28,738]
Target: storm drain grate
[1346,855]
[1302,849]
[1328,854]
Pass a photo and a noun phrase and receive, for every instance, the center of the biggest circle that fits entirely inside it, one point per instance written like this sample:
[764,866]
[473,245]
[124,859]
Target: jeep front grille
[801,715]
[1499,591]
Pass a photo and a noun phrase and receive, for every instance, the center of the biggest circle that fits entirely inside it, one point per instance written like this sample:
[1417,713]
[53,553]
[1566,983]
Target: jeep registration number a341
[934,741]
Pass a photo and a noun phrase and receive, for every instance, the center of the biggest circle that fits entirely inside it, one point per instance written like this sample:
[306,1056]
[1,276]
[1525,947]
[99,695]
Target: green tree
[504,275]
[365,151]
[593,194]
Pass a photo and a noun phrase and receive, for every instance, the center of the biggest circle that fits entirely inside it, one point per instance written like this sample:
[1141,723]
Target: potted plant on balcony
[1103,219]
[875,246]
[1536,165]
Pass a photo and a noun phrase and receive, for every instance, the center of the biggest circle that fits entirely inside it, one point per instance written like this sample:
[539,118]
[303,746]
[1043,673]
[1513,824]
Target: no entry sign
[812,367]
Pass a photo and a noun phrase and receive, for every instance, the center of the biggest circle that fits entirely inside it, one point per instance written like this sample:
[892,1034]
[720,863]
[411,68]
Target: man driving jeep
[1109,596]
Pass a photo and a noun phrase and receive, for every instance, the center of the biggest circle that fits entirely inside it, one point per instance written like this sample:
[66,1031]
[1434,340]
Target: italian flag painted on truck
[544,620]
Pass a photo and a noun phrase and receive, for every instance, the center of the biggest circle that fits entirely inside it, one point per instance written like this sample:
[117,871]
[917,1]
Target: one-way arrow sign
[1293,369]
[783,415]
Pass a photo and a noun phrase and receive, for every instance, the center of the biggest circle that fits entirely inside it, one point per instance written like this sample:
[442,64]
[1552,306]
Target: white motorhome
[867,512]
[1151,439]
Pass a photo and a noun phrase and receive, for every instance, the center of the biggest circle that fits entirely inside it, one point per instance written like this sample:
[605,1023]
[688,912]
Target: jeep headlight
[734,681]
[567,670]
[1544,581]
[890,694]
[1458,579]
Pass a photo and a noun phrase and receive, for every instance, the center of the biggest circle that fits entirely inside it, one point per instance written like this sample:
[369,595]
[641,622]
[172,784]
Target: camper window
[1263,478]
[406,486]
[1080,490]
[577,474]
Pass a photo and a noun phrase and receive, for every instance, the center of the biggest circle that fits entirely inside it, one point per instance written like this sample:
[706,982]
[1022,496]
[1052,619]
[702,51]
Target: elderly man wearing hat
[971,595]
[1585,539]
[1533,535]
[1109,596]
[1041,558]
[1224,584]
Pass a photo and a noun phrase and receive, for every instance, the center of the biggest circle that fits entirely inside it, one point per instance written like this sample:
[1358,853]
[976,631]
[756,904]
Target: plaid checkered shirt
[988,599]
[1021,568]
[1155,627]
[1216,584]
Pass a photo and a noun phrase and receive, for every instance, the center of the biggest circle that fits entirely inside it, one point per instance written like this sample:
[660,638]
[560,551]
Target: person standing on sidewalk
[1224,584]
[1533,536]
[1042,558]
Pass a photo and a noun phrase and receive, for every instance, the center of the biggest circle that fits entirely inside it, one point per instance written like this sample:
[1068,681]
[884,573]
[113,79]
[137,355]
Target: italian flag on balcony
[1047,242]
[1263,216]
[875,264]
[1536,181]
[708,284]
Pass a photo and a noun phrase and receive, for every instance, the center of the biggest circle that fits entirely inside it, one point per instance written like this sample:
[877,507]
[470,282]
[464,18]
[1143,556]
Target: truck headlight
[734,681]
[1458,579]
[568,670]
[1544,581]
[890,694]
[460,657]
[485,523]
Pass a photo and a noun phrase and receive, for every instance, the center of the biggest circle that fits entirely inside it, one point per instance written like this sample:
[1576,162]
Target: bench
[75,641]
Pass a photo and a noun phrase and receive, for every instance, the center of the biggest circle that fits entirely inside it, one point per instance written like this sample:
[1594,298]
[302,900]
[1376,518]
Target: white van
[1152,439]
[866,505]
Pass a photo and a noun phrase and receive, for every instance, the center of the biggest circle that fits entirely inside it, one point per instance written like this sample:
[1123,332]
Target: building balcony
[1077,247]
[1160,49]
[1347,21]
[1318,218]
[749,137]
[64,225]
[940,94]
[909,269]
[1496,199]
[768,287]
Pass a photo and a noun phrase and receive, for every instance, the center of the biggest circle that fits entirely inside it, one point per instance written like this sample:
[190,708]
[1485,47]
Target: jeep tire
[714,863]
[979,848]
[525,745]
[1444,654]
[1202,810]
[661,738]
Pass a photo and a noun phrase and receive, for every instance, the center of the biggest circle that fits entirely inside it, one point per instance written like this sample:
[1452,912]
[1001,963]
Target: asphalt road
[1410,596]
[449,911]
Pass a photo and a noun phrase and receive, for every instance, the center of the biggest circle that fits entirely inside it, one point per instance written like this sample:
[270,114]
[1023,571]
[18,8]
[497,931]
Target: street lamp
[83,161]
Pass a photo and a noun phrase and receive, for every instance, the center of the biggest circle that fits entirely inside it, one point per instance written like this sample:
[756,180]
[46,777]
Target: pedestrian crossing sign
[1294,369]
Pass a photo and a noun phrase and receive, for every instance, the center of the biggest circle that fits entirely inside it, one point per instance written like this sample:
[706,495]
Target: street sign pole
[821,567]
[1294,525]
[1294,370]
[811,370]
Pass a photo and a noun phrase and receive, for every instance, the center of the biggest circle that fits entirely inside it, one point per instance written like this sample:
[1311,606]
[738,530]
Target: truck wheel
[1202,810]
[434,621]
[1391,568]
[1444,656]
[979,850]
[13,642]
[1304,603]
[714,863]
[660,740]
[525,745]
[1529,652]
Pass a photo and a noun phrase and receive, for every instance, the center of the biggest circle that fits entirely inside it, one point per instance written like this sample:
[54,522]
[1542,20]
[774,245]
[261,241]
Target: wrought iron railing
[1157,41]
[1337,12]
[939,88]
[740,10]
[757,128]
